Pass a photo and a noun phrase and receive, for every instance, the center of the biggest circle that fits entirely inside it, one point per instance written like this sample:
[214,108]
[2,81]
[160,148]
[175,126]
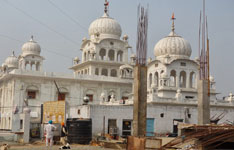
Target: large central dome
[105,27]
[31,48]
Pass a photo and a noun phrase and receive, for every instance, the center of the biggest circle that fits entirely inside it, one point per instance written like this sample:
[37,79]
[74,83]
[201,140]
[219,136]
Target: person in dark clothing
[63,138]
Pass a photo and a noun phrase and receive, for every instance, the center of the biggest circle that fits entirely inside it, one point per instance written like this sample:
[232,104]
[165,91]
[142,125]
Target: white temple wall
[163,115]
[6,101]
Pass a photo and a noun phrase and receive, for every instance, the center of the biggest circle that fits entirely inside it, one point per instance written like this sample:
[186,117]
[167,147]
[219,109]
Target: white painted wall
[161,125]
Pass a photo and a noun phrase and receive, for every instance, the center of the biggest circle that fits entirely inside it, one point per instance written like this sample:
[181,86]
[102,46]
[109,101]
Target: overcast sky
[60,25]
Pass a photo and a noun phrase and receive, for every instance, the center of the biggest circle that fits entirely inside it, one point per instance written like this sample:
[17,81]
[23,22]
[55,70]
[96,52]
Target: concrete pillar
[40,66]
[203,103]
[177,81]
[83,56]
[187,80]
[26,127]
[140,100]
[23,65]
[106,57]
[30,65]
[115,56]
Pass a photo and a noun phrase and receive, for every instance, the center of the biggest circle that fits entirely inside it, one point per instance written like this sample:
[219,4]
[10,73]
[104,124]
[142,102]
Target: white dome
[133,55]
[11,61]
[212,79]
[105,27]
[174,46]
[31,48]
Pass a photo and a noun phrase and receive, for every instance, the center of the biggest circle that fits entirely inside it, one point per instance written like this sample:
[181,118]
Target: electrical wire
[65,14]
[40,22]
[10,38]
[50,51]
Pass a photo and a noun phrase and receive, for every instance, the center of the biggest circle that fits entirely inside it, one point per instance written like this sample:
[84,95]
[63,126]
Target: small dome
[105,27]
[178,91]
[11,61]
[4,65]
[173,45]
[76,59]
[212,79]
[133,55]
[31,48]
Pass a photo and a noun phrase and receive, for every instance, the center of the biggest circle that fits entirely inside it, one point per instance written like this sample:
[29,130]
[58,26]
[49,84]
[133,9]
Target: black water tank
[79,130]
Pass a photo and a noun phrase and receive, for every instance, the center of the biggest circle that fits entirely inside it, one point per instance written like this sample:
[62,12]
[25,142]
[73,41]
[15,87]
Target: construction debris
[202,136]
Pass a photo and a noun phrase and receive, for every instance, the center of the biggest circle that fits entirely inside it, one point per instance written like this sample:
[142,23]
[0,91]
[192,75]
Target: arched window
[82,72]
[120,56]
[85,71]
[113,73]
[111,55]
[96,71]
[104,72]
[102,54]
[173,78]
[156,78]
[192,80]
[183,79]
[150,79]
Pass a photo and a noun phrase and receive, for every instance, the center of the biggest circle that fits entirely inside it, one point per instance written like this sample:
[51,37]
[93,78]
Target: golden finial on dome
[173,24]
[106,4]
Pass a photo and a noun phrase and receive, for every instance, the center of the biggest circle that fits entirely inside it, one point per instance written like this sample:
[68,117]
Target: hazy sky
[60,25]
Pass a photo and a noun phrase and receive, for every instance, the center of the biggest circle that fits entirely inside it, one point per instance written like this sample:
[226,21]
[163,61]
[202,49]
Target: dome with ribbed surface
[173,45]
[31,48]
[105,27]
[11,61]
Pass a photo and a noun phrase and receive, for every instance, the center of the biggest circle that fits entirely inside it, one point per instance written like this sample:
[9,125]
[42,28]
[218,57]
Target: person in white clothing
[49,130]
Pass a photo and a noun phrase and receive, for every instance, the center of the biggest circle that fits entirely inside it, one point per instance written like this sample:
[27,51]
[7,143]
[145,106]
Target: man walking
[49,130]
[63,138]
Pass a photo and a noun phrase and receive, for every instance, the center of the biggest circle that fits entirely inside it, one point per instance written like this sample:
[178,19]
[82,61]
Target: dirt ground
[41,146]
[73,147]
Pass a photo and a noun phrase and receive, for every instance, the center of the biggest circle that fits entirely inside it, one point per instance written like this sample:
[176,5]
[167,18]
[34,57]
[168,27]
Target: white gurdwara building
[104,75]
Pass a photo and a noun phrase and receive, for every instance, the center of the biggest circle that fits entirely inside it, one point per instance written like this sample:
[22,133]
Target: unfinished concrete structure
[140,76]
[204,75]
